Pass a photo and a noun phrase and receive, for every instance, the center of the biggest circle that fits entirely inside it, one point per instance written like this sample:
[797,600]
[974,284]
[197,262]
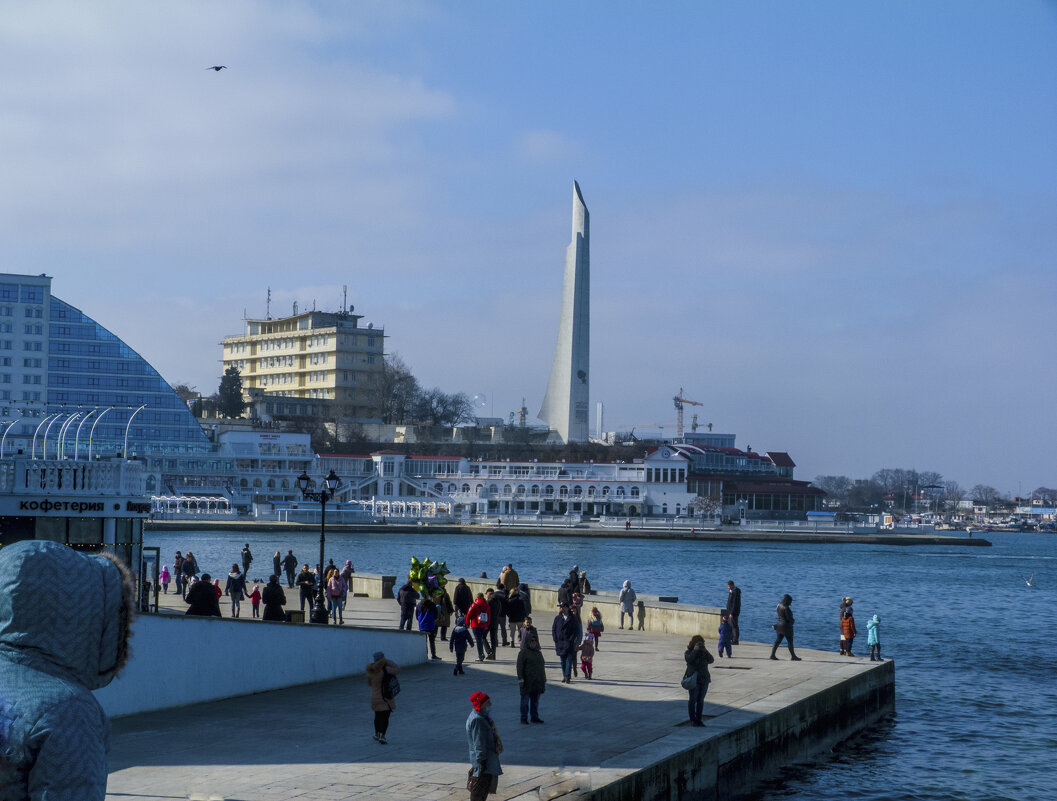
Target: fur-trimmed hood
[83,634]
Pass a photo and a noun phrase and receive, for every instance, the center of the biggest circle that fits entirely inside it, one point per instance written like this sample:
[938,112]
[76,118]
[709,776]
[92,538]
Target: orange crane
[680,401]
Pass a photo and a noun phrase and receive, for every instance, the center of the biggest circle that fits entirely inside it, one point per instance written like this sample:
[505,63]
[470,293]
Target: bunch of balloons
[428,577]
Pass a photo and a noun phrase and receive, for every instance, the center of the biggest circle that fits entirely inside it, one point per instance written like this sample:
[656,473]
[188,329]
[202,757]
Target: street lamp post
[329,487]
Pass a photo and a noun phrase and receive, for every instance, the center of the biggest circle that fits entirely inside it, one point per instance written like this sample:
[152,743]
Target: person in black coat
[697,659]
[463,597]
[202,598]
[274,599]
[784,627]
[290,566]
[733,608]
[407,596]
[565,593]
[566,633]
[500,619]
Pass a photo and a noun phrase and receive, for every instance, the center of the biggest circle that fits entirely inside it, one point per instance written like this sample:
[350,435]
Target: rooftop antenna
[313,304]
[268,306]
[295,308]
[344,298]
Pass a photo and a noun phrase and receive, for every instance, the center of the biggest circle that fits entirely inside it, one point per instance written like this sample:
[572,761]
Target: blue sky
[834,224]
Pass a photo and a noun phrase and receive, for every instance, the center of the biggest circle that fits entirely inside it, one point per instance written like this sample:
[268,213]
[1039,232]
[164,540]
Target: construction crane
[680,401]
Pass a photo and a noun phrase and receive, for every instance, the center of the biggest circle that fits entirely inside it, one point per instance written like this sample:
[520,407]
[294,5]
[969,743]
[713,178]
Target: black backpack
[390,685]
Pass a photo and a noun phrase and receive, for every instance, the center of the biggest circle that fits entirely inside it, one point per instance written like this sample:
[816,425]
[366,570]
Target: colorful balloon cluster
[428,577]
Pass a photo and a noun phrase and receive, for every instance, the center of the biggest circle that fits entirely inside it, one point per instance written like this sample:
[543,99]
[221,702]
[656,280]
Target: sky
[833,224]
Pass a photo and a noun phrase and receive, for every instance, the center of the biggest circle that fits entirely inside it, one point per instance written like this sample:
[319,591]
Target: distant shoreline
[722,535]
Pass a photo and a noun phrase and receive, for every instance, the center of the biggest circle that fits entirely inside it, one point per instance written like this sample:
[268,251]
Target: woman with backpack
[383,702]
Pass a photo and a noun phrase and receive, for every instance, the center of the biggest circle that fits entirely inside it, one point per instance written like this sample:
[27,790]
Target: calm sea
[976,668]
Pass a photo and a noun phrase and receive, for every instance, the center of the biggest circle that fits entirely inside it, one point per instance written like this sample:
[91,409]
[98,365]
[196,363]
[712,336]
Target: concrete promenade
[622,735]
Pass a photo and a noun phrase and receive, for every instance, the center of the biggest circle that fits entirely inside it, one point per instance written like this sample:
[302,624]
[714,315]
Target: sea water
[976,667]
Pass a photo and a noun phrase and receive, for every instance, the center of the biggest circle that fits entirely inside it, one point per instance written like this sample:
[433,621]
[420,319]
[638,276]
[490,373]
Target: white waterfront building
[461,487]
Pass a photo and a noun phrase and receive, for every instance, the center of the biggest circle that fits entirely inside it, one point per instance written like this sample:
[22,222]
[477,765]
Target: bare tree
[983,493]
[836,487]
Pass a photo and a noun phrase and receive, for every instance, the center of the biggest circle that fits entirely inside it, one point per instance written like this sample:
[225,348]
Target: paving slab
[316,741]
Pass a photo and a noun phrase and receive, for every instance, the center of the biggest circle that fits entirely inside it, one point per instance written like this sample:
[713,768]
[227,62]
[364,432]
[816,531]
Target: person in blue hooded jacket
[54,735]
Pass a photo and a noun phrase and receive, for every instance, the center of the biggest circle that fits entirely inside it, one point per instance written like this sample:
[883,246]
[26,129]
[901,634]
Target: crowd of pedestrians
[489,621]
[203,594]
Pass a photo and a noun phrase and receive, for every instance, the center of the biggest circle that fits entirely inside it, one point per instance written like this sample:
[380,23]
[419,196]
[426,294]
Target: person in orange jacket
[847,630]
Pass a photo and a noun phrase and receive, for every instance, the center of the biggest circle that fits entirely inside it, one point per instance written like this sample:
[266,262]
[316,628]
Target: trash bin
[295,616]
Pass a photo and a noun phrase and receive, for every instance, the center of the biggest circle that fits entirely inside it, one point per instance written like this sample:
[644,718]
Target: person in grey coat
[627,605]
[485,748]
[53,653]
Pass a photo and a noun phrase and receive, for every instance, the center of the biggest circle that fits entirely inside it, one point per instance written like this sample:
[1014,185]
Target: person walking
[346,573]
[595,626]
[499,599]
[733,609]
[274,600]
[784,627]
[336,597]
[289,565]
[202,598]
[426,615]
[532,678]
[587,656]
[485,748]
[697,661]
[247,558]
[477,618]
[459,644]
[382,702]
[165,578]
[463,597]
[627,605]
[306,583]
[873,637]
[515,614]
[444,610]
[566,633]
[255,600]
[235,587]
[407,597]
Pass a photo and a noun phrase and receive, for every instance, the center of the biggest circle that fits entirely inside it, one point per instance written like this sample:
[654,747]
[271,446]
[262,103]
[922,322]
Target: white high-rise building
[565,406]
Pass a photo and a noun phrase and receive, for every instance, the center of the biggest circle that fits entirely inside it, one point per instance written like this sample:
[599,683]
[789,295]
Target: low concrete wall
[650,614]
[757,744]
[178,660]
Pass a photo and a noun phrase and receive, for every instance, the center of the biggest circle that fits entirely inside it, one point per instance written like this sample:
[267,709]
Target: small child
[847,630]
[458,642]
[576,604]
[726,634]
[873,637]
[587,655]
[255,600]
[165,577]
[594,625]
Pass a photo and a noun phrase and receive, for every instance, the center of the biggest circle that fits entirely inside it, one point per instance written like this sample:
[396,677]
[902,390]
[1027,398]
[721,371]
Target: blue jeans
[567,664]
[696,704]
[481,637]
[406,616]
[336,607]
[530,700]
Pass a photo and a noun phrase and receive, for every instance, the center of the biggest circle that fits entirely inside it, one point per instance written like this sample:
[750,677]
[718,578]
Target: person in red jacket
[479,619]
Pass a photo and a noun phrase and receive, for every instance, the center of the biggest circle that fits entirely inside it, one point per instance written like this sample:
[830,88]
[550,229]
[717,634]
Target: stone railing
[652,612]
[72,477]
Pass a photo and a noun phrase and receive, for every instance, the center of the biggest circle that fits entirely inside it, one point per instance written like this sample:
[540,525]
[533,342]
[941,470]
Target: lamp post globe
[327,489]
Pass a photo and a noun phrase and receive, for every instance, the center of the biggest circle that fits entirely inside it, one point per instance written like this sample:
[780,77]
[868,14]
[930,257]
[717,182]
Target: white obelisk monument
[565,404]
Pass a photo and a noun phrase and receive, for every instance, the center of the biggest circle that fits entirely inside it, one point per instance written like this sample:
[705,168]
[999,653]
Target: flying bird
[217,68]
[1031,580]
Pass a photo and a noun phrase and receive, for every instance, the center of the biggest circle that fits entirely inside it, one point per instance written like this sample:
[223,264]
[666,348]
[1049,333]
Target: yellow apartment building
[313,364]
